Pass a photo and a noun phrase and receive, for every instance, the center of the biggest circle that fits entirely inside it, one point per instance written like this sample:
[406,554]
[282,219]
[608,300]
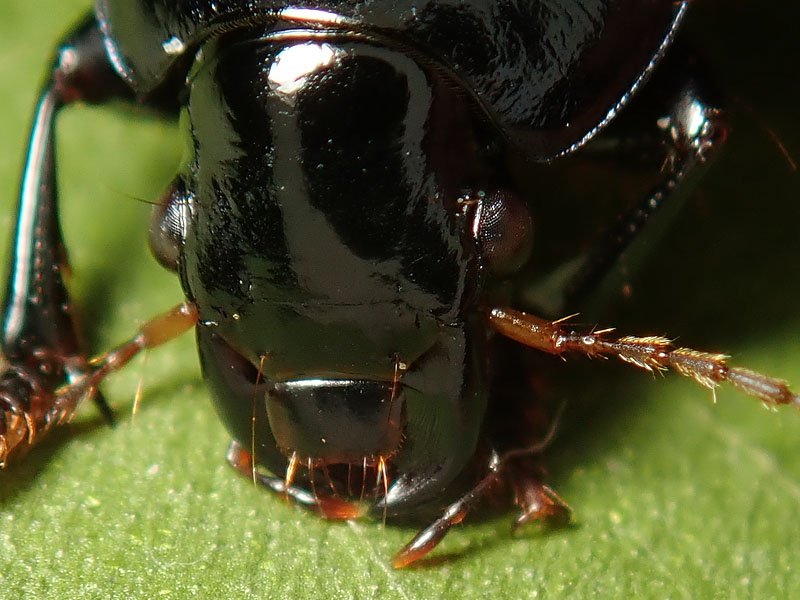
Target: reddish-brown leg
[427,539]
[153,333]
[652,353]
[46,407]
[537,500]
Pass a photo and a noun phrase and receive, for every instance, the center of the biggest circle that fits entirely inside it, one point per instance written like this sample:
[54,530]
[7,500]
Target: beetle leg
[684,136]
[652,353]
[33,402]
[40,340]
[514,466]
[154,332]
[538,501]
[427,539]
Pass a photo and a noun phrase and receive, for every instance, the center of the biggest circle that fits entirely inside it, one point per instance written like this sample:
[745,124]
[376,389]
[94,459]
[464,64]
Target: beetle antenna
[327,474]
[542,444]
[311,477]
[140,200]
[363,479]
[291,468]
[771,133]
[253,418]
[137,397]
[781,147]
[382,476]
[399,367]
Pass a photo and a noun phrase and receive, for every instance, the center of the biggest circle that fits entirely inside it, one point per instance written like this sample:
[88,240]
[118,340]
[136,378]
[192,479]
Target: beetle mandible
[349,234]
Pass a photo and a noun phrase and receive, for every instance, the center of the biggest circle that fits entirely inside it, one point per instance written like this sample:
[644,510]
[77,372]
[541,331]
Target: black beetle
[347,184]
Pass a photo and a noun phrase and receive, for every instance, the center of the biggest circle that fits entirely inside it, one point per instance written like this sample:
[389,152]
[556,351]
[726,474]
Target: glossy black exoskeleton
[349,229]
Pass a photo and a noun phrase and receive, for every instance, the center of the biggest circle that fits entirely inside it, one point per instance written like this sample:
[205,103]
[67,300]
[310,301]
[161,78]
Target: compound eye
[168,223]
[504,229]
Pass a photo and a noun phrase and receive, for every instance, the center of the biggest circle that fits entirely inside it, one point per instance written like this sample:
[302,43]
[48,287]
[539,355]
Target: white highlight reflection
[311,14]
[294,64]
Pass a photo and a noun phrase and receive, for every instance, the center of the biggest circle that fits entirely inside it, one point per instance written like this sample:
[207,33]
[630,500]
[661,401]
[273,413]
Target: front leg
[517,467]
[41,346]
[651,353]
[671,133]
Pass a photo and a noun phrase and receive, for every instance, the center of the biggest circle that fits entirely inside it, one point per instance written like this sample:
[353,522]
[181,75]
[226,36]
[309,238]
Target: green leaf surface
[675,497]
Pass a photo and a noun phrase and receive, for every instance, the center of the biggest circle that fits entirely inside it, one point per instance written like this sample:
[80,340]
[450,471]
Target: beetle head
[339,220]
